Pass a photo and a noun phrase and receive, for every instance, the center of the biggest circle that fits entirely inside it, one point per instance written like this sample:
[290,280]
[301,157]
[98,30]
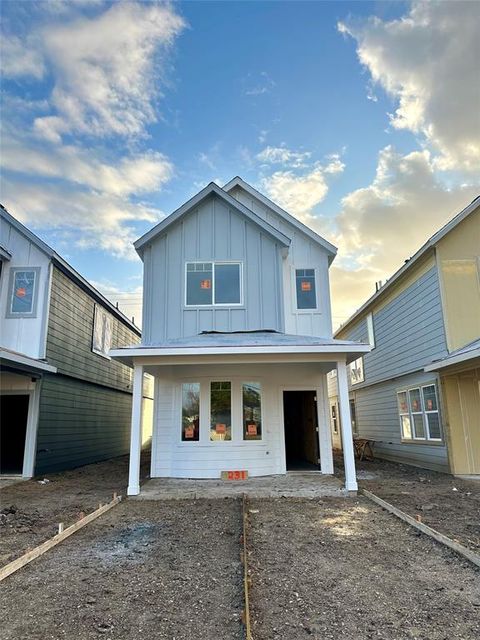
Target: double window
[306,289]
[23,292]
[223,399]
[213,283]
[419,413]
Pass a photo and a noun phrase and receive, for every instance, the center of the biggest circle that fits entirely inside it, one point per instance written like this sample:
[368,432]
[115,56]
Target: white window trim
[94,350]
[352,383]
[204,413]
[414,439]
[21,314]
[371,330]
[294,290]
[214,304]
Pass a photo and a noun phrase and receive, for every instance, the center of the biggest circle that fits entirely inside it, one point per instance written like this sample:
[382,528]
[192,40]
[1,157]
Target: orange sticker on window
[220,428]
[306,286]
[252,429]
[415,405]
[205,284]
[429,405]
[21,292]
[189,432]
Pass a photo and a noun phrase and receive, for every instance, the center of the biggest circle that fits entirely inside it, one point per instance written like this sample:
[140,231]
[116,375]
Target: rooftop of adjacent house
[410,262]
[65,267]
[467,353]
[263,341]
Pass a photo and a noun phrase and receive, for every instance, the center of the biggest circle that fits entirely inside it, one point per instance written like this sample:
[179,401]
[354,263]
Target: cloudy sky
[360,118]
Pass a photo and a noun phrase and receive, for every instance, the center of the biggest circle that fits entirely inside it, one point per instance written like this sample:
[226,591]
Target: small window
[252,411]
[356,371]
[306,290]
[191,412]
[353,415]
[102,332]
[419,414]
[370,330]
[23,288]
[333,410]
[220,411]
[213,283]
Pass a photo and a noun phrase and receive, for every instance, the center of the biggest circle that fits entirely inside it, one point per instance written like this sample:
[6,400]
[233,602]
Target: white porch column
[324,433]
[346,426]
[136,432]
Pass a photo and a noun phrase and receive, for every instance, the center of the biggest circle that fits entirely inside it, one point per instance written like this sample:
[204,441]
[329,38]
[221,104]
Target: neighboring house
[64,401]
[237,333]
[417,394]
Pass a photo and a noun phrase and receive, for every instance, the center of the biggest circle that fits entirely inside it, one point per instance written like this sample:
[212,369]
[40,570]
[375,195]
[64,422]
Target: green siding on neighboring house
[85,408]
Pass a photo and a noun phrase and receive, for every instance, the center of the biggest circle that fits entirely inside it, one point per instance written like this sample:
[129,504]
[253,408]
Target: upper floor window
[371,330]
[356,371]
[306,289]
[23,292]
[213,283]
[419,414]
[102,332]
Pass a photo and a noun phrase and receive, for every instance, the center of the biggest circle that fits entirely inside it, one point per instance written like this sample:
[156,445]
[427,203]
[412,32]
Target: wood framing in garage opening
[301,430]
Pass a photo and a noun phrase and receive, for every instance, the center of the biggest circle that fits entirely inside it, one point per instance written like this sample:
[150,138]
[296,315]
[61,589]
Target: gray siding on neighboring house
[378,419]
[212,231]
[80,423]
[85,408]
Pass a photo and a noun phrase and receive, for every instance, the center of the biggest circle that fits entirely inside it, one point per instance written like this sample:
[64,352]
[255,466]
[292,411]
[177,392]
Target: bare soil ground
[333,568]
[157,570]
[449,505]
[30,511]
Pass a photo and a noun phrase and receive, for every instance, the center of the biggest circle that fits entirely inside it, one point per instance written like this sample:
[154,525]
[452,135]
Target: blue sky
[361,118]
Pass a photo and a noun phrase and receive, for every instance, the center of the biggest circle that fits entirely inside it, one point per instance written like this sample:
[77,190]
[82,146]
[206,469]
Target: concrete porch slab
[292,485]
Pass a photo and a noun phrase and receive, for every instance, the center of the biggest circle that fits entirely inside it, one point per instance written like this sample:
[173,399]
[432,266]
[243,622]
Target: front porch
[249,401]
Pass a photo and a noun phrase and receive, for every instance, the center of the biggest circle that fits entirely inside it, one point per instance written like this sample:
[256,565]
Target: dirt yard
[160,570]
[30,511]
[449,505]
[346,569]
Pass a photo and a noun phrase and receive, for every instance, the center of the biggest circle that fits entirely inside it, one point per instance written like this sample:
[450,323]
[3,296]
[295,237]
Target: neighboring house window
[191,412]
[419,413]
[102,332]
[333,373]
[220,411]
[353,415]
[333,410]
[306,289]
[23,292]
[252,410]
[213,283]
[356,371]
[370,330]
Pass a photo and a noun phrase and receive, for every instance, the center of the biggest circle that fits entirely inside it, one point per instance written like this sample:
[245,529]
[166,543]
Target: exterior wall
[212,231]
[461,391]
[80,423]
[378,420]
[303,253]
[458,259]
[23,335]
[173,458]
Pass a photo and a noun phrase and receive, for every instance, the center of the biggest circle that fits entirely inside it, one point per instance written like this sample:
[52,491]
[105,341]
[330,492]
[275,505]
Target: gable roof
[210,189]
[424,249]
[239,182]
[66,268]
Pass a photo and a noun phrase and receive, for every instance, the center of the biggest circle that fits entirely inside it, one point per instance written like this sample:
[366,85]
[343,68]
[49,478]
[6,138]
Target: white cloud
[20,58]
[428,61]
[108,69]
[383,224]
[258,84]
[282,155]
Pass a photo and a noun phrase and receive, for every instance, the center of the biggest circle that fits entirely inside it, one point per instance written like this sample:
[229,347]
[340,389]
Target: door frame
[317,391]
[32,424]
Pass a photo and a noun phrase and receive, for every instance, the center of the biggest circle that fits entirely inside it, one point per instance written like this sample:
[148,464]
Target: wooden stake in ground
[248,631]
[436,535]
[62,534]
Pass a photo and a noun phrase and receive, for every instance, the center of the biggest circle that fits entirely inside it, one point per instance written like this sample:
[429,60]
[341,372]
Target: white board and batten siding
[23,335]
[173,458]
[211,232]
[303,253]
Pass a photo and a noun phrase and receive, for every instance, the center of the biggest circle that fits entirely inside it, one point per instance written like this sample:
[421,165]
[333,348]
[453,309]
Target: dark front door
[301,437]
[13,430]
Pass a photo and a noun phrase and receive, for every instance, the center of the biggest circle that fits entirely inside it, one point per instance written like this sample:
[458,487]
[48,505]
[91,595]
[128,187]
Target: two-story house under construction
[237,333]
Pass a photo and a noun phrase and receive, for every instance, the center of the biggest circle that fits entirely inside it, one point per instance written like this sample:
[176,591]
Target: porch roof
[466,355]
[266,342]
[14,360]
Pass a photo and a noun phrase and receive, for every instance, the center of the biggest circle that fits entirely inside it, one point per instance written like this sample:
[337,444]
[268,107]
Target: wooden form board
[436,535]
[62,535]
